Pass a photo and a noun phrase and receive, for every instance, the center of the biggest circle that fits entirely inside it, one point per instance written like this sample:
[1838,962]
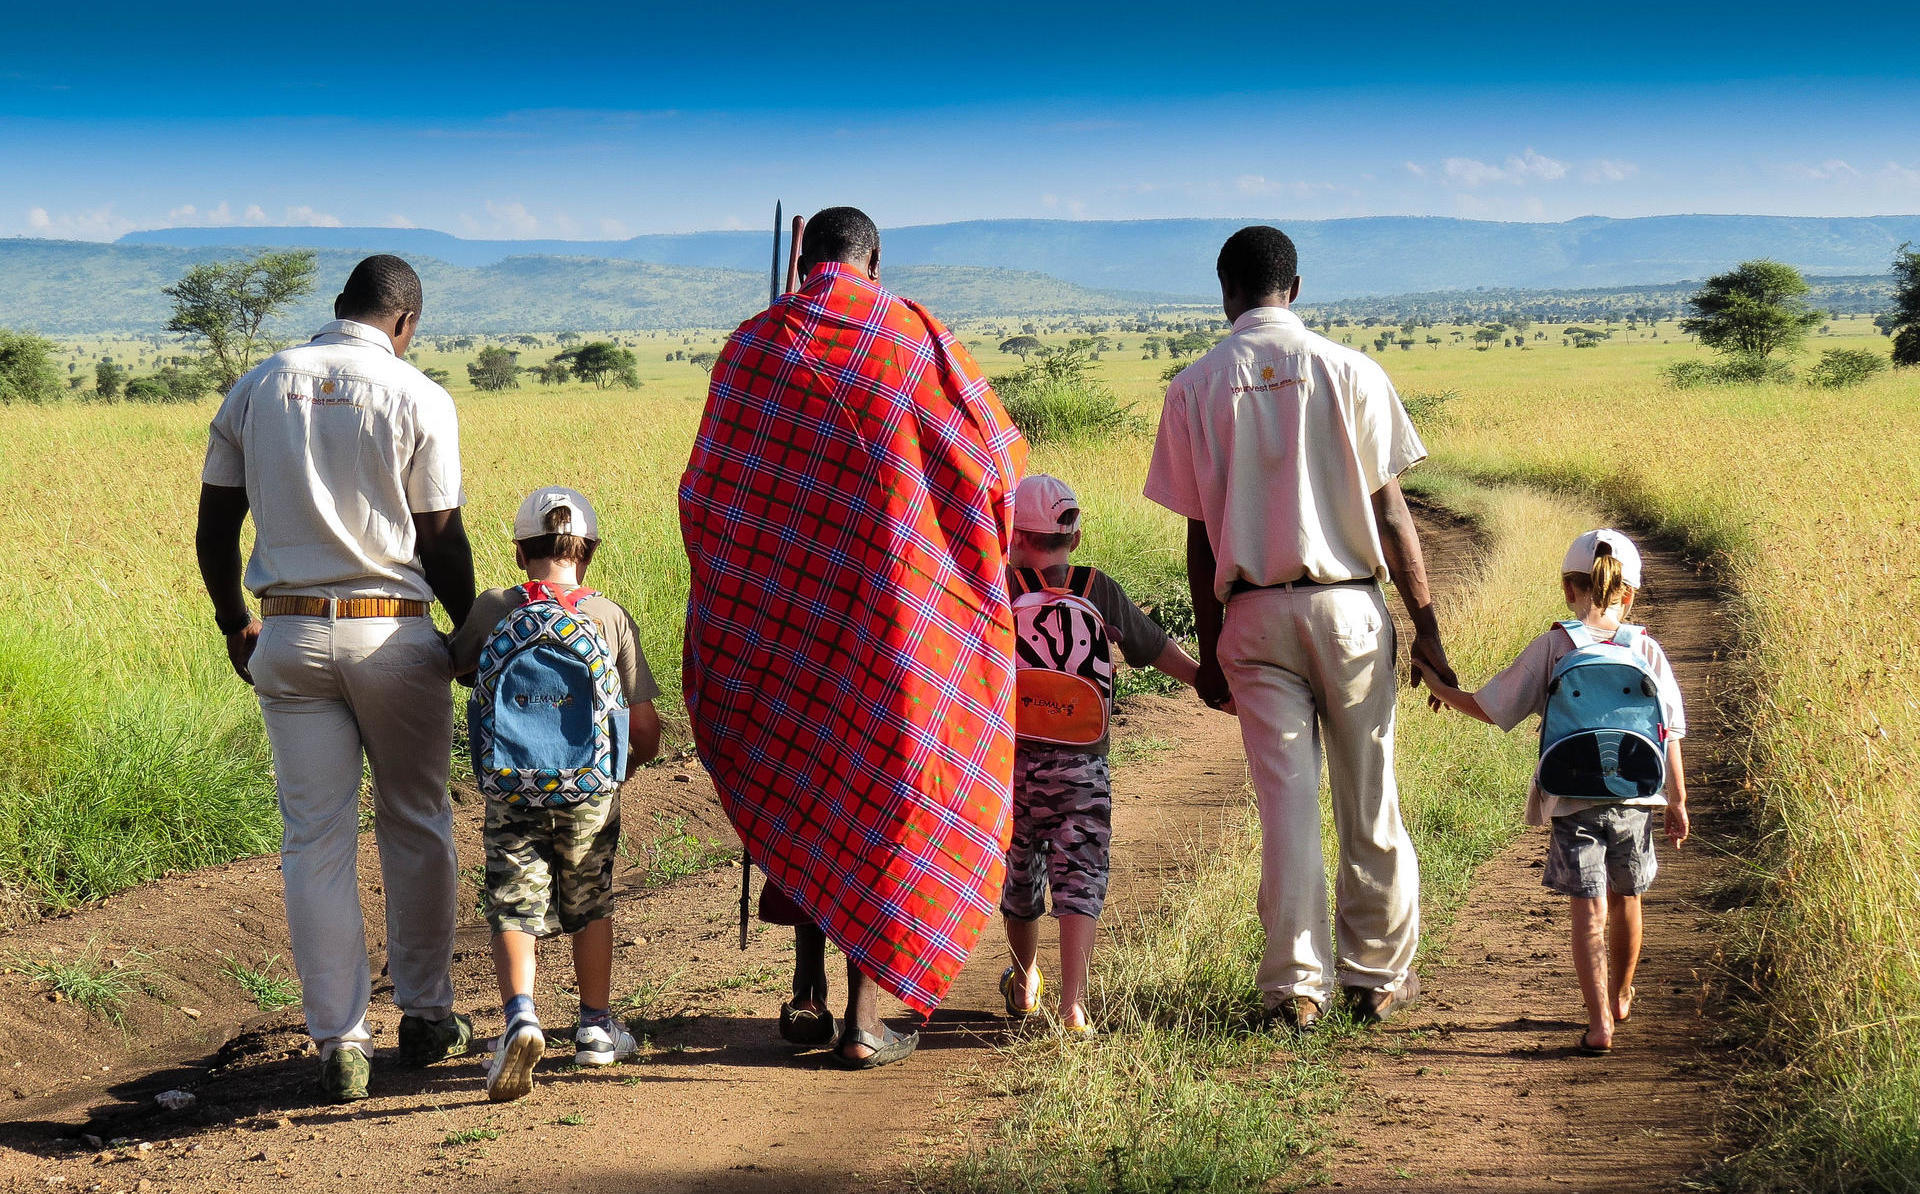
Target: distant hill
[1338,258]
[1841,295]
[82,288]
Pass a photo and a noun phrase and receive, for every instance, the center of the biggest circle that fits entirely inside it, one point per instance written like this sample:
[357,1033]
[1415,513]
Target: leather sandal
[887,1049]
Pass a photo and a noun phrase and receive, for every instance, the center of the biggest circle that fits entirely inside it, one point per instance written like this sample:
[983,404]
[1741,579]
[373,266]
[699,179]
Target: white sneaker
[594,1045]
[514,1056]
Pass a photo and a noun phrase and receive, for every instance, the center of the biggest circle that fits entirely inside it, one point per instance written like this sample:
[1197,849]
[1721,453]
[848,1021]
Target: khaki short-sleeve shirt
[1278,439]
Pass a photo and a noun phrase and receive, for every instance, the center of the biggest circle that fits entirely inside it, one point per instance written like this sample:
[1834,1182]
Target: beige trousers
[331,691]
[1312,672]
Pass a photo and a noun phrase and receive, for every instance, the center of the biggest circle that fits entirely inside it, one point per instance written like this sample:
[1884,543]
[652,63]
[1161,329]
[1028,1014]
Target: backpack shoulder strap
[1025,580]
[1578,632]
[1629,636]
[1080,580]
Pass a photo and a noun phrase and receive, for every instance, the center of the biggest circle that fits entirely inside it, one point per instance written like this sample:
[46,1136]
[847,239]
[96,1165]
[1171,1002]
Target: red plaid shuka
[848,659]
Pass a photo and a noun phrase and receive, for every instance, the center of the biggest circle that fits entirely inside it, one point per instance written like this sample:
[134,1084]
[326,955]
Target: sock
[519,1008]
[595,1017]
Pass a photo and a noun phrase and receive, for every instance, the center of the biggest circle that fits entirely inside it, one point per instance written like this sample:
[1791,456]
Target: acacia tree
[224,307]
[1022,347]
[1754,310]
[107,379]
[495,369]
[1905,328]
[604,364]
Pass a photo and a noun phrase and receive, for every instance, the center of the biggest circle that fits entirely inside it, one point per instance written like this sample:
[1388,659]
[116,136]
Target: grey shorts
[1608,848]
[1062,827]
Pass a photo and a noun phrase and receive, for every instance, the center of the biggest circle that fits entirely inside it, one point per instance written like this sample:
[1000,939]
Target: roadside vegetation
[90,980]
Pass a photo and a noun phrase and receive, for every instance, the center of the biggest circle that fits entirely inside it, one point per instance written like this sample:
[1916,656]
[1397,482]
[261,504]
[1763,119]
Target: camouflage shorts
[1062,824]
[551,869]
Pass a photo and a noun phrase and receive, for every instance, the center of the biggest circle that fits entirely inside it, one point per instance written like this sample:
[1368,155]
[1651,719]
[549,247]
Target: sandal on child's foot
[1586,1049]
[1620,1016]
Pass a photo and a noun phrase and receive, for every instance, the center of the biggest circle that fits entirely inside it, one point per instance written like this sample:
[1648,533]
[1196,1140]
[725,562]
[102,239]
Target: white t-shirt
[1520,691]
[338,443]
[1278,439]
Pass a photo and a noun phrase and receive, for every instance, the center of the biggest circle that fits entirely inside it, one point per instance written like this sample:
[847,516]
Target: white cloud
[1906,176]
[311,217]
[396,220]
[1415,169]
[102,223]
[1260,184]
[1074,208]
[502,220]
[614,230]
[1609,170]
[1832,168]
[1531,166]
[254,214]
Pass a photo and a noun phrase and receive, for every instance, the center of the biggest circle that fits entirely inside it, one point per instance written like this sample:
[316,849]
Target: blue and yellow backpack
[547,720]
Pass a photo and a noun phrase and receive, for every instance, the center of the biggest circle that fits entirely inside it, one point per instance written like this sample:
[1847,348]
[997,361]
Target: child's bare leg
[1076,950]
[1623,950]
[593,963]
[513,963]
[1590,963]
[1024,938]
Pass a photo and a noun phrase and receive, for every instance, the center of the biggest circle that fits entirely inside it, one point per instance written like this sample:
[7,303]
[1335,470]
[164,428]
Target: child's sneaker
[603,1044]
[519,1049]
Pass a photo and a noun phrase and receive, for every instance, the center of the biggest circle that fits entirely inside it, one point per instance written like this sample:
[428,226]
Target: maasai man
[849,666]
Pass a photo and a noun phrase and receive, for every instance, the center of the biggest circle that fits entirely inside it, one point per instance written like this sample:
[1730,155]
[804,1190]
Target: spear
[773,283]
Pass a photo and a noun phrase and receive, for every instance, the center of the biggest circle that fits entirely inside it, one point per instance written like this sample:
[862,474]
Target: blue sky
[589,121]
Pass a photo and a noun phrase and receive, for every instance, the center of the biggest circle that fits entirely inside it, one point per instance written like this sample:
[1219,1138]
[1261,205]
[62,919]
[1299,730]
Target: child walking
[562,709]
[1066,620]
[1612,721]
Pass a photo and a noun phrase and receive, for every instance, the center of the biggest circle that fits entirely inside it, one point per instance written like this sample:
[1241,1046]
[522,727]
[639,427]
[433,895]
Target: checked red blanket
[848,659]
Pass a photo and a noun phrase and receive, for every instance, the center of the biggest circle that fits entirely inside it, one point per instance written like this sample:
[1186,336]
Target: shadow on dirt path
[1481,1089]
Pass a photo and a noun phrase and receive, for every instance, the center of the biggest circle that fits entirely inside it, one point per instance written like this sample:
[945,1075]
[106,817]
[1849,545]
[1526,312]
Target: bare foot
[1075,1016]
[1622,1006]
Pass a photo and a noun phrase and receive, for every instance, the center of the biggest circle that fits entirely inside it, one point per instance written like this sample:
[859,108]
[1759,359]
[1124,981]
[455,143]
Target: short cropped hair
[840,234]
[381,285]
[1048,540]
[1258,261]
[557,546]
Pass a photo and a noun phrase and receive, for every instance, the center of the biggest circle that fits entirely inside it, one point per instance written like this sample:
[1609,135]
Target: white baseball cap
[531,520]
[1580,556]
[1043,505]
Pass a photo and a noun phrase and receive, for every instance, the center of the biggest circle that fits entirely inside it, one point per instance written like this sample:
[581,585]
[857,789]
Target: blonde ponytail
[1605,584]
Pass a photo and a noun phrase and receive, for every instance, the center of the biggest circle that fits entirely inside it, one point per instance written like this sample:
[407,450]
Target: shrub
[27,373]
[1843,367]
[1054,397]
[1424,407]
[1741,368]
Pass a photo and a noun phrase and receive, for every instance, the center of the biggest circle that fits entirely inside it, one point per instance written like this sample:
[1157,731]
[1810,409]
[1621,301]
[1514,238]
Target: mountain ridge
[1340,258]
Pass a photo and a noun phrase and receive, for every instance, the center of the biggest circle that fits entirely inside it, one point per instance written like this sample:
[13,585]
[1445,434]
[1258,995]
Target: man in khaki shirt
[1283,449]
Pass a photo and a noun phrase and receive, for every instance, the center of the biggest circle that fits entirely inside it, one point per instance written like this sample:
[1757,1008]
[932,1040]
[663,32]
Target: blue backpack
[1604,733]
[547,720]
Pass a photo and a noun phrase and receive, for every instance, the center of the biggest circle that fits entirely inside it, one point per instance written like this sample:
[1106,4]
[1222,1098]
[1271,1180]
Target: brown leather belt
[1247,586]
[341,607]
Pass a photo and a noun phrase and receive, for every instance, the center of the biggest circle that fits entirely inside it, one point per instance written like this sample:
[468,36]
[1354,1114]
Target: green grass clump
[469,1136]
[269,991]
[1057,397]
[90,980]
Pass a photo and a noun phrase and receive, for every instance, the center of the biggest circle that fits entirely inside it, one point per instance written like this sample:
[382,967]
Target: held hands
[1211,684]
[1677,823]
[1430,659]
[240,646]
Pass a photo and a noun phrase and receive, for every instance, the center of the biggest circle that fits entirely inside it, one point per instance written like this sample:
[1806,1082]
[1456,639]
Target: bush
[1424,407]
[27,373]
[170,384]
[1843,367]
[1056,398]
[1734,369]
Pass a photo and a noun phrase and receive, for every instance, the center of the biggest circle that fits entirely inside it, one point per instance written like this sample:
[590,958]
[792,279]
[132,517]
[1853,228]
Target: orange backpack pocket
[1058,708]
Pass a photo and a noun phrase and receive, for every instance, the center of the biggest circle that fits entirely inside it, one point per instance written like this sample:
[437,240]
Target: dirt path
[1481,1089]
[718,1103]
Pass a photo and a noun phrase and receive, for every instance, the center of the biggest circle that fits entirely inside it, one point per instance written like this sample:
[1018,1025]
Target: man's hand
[1677,824]
[240,645]
[1428,654]
[1211,683]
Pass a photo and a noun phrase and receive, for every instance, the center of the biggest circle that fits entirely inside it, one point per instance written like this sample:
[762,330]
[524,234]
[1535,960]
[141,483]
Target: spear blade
[773,284]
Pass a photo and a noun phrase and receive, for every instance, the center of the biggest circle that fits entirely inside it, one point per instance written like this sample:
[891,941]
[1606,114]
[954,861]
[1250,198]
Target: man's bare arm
[216,543]
[447,560]
[1208,615]
[1400,540]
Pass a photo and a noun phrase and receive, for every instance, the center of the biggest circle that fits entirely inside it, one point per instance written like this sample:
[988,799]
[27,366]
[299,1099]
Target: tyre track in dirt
[1481,1088]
